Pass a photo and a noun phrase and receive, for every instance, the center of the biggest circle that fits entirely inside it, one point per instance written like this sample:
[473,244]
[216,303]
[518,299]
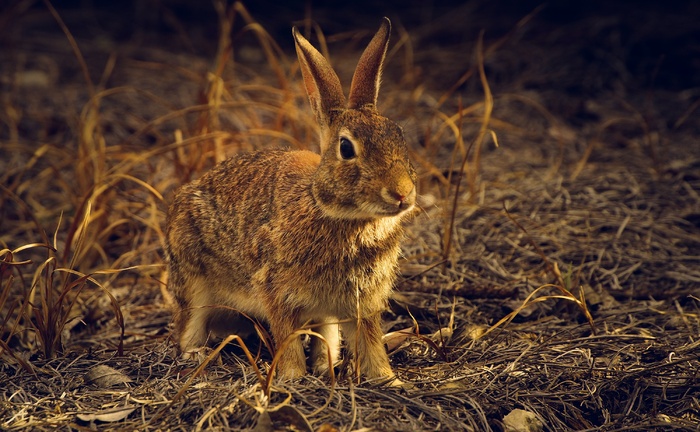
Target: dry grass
[554,267]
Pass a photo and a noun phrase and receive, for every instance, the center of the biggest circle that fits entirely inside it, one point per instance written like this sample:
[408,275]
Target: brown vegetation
[555,267]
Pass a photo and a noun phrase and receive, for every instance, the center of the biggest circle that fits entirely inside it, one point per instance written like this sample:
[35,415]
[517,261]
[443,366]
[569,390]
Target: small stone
[520,420]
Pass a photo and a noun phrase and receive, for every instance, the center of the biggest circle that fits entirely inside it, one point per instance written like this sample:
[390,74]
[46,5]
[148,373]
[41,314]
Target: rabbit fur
[294,237]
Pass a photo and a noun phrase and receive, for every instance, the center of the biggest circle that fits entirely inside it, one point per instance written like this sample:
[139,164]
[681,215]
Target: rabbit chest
[354,269]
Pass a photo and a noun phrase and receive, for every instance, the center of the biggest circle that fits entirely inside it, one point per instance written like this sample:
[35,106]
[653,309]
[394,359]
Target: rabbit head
[365,172]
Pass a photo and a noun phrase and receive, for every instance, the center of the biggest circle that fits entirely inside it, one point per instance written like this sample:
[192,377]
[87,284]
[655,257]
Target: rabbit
[294,237]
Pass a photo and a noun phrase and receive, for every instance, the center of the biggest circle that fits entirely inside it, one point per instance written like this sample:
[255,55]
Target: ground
[554,267]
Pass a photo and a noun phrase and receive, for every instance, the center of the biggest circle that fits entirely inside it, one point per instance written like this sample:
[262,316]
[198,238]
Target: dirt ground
[550,282]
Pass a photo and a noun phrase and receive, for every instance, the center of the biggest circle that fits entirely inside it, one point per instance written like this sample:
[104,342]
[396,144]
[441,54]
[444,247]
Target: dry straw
[555,271]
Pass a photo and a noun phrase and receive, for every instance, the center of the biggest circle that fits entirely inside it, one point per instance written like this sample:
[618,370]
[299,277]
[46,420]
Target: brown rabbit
[293,237]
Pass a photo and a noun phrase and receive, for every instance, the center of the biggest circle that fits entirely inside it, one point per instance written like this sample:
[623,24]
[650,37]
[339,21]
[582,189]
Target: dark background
[658,42]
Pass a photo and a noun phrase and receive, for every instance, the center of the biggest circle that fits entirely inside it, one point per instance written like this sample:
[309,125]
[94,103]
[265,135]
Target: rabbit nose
[399,189]
[409,200]
[404,199]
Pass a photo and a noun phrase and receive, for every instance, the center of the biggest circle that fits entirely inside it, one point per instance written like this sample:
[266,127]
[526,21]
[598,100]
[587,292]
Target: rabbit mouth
[385,209]
[395,211]
[391,213]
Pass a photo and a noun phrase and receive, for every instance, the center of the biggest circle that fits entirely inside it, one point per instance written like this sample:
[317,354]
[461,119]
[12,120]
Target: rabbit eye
[347,149]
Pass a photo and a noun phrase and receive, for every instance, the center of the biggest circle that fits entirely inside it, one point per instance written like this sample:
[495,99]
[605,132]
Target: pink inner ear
[312,91]
[365,82]
[320,80]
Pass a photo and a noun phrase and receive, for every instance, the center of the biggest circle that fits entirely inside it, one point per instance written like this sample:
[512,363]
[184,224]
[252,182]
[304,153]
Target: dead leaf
[107,416]
[395,339]
[33,79]
[601,298]
[443,334]
[264,423]
[286,416]
[474,331]
[291,416]
[105,376]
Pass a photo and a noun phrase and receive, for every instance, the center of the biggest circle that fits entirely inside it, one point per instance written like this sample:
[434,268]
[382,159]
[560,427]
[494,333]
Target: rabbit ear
[321,82]
[365,82]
